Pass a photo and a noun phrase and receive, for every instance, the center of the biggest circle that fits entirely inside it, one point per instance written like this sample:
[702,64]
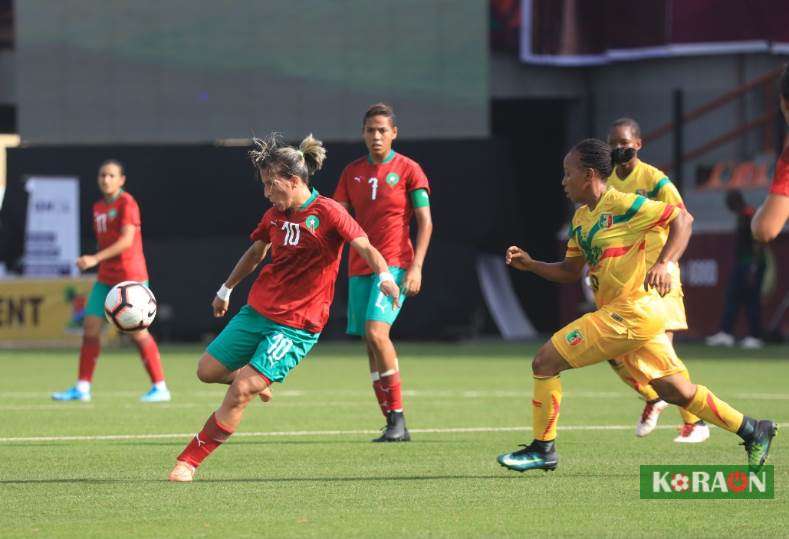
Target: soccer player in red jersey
[116,221]
[289,302]
[772,215]
[384,190]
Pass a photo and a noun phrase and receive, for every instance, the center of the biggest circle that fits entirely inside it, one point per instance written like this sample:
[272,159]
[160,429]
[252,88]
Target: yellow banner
[43,311]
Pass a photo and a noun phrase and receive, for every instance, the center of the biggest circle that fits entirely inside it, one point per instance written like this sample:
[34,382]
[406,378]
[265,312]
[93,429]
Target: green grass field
[303,464]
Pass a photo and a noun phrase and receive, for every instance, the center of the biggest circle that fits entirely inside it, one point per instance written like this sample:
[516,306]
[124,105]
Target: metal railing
[766,121]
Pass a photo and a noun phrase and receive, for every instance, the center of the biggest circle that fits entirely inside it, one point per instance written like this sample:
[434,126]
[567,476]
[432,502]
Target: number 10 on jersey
[292,233]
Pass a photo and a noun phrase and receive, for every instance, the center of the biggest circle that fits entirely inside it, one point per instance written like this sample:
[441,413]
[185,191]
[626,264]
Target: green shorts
[95,305]
[367,302]
[270,348]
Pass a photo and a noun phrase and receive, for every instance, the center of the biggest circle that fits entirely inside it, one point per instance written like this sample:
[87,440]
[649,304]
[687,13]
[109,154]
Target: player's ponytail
[272,156]
[314,153]
[597,155]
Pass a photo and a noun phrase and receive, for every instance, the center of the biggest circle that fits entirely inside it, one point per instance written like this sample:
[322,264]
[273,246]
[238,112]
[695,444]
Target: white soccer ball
[130,305]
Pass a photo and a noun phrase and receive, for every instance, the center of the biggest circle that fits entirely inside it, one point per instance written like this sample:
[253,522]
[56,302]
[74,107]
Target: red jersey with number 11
[379,195]
[296,288]
[109,218]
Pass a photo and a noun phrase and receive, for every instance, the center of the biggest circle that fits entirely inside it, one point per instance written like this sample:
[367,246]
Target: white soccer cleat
[720,339]
[182,473]
[693,433]
[649,417]
[751,343]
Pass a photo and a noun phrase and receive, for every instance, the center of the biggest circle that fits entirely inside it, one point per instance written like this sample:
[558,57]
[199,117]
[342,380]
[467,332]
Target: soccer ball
[130,306]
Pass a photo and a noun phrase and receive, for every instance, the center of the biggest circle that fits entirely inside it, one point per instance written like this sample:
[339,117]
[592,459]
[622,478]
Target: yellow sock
[545,407]
[687,417]
[645,391]
[710,408]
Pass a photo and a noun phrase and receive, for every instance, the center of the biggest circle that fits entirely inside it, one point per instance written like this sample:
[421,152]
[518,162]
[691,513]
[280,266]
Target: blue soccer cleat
[156,395]
[71,394]
[535,456]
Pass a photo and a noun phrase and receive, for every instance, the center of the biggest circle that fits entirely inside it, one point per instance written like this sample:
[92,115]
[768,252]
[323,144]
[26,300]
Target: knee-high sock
[687,417]
[149,353]
[203,444]
[380,394]
[710,408]
[88,355]
[390,383]
[545,407]
[646,391]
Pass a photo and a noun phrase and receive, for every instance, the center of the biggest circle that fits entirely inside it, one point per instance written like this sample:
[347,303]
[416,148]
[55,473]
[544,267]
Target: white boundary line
[457,430]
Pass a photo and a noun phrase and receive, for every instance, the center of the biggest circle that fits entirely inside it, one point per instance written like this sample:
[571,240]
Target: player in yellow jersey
[631,175]
[608,232]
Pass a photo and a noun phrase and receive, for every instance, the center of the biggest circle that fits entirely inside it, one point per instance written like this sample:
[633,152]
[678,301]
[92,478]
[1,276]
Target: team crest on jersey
[312,223]
[574,337]
[606,220]
[392,178]
[357,179]
[112,213]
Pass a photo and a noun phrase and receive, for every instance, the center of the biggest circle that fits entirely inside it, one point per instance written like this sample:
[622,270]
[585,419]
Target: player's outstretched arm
[123,242]
[679,231]
[770,218]
[424,230]
[568,270]
[377,263]
[245,265]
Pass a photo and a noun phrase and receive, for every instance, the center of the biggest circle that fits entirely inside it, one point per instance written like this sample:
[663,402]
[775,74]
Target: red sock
[380,394]
[149,353]
[394,396]
[203,444]
[88,355]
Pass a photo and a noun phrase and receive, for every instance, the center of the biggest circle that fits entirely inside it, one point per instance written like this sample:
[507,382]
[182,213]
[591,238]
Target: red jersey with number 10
[379,195]
[296,288]
[780,184]
[109,218]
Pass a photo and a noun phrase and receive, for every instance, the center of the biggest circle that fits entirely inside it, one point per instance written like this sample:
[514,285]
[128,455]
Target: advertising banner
[43,311]
[52,234]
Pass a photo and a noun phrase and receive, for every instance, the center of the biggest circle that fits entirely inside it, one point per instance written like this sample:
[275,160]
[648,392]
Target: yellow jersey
[612,238]
[651,182]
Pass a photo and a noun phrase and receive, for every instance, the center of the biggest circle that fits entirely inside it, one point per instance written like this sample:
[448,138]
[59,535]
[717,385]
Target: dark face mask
[622,155]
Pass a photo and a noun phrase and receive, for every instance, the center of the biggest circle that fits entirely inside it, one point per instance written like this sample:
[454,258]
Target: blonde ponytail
[314,153]
[273,155]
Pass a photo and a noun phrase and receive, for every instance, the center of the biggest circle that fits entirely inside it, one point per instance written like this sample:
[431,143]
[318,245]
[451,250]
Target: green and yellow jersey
[612,238]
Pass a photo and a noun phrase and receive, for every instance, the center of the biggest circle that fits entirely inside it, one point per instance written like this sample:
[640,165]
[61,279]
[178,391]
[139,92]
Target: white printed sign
[52,232]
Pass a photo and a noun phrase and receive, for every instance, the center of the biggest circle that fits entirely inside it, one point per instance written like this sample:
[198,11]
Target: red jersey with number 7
[109,218]
[296,287]
[379,195]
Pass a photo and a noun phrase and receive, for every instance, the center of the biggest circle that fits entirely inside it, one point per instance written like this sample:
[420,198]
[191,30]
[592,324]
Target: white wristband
[385,276]
[224,293]
[671,266]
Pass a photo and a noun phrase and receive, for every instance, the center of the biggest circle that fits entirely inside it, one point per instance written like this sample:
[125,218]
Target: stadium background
[489,96]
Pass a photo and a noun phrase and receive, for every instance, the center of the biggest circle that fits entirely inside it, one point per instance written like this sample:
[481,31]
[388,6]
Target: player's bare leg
[247,384]
[211,371]
[88,356]
[546,401]
[378,340]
